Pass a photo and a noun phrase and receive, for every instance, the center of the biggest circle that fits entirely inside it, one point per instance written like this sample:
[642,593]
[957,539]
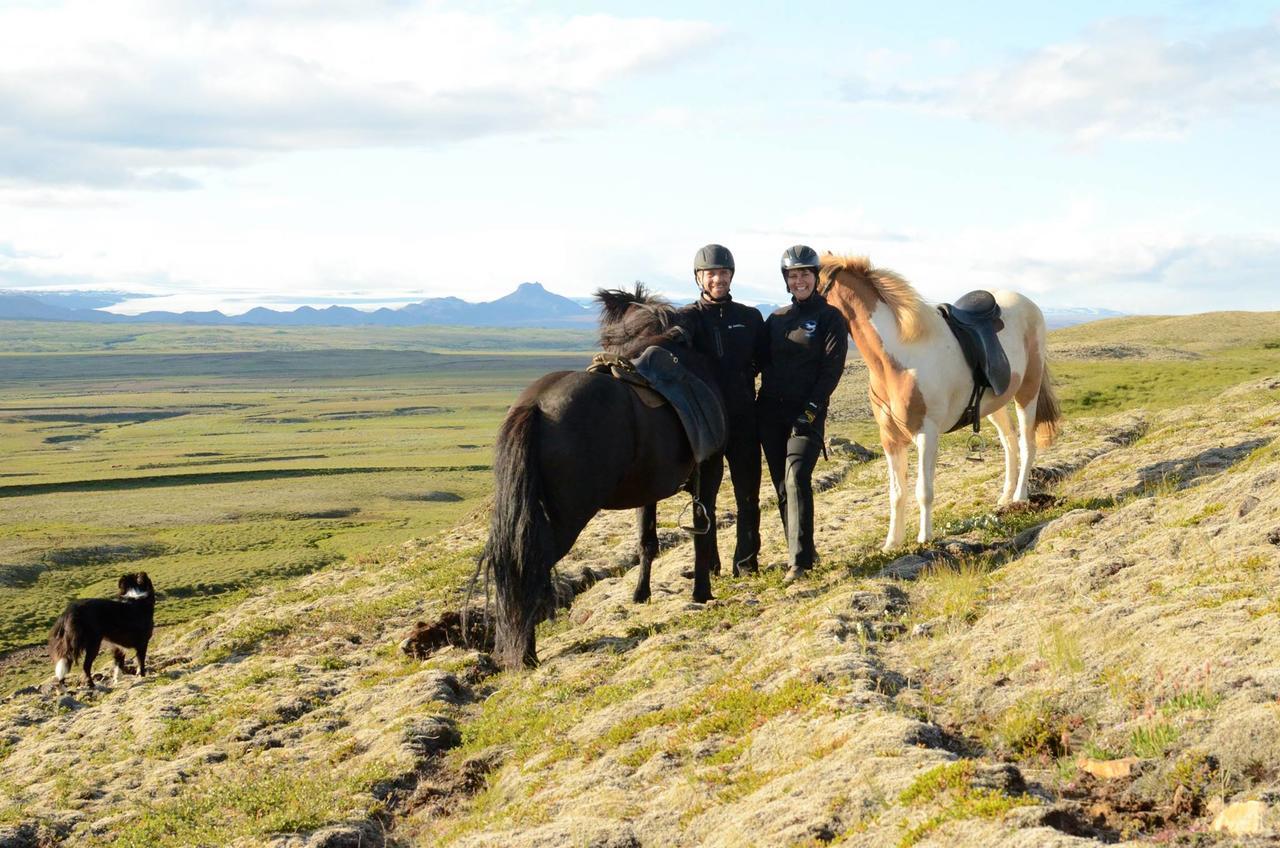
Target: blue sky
[233,154]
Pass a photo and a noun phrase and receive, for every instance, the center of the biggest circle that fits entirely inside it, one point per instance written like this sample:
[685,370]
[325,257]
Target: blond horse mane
[913,315]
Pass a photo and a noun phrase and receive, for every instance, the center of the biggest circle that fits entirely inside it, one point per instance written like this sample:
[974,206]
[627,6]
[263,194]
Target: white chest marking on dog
[135,594]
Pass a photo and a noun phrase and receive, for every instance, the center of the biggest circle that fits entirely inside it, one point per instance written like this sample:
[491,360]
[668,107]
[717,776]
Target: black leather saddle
[697,404]
[975,320]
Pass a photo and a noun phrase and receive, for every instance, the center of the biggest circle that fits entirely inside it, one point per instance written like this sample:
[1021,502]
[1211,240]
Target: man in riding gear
[729,334]
[806,346]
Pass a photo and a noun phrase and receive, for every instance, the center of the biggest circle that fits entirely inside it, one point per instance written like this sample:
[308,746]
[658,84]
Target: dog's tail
[64,645]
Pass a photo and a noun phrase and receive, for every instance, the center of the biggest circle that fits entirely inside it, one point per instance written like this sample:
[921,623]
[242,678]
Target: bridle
[831,283]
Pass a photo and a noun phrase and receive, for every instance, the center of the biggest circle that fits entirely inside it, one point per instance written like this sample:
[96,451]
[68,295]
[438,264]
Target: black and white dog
[125,621]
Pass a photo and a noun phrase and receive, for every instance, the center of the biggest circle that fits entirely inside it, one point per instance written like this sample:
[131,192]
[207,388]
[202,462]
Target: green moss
[220,810]
[952,785]
[731,707]
[247,637]
[937,780]
[1035,726]
[180,732]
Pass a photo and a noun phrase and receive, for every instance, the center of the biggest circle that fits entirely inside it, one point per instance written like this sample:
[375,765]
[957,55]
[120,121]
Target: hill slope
[1131,614]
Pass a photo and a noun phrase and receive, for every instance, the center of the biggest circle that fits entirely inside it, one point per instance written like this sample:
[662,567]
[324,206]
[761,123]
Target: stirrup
[697,508]
[977,445]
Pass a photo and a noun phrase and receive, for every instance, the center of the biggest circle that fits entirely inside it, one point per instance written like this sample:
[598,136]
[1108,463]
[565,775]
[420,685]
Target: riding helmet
[712,256]
[799,256]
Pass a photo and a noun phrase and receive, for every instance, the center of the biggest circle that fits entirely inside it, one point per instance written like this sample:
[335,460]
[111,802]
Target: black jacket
[731,335]
[807,344]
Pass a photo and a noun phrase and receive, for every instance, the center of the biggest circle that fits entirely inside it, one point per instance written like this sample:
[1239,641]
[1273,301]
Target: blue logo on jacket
[809,327]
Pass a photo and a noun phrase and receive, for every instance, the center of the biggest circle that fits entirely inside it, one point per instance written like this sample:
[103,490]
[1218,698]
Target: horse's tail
[1048,411]
[520,551]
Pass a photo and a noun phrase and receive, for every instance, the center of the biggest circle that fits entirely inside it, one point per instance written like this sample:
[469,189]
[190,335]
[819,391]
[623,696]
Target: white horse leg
[896,457]
[927,447]
[1003,422]
[1027,442]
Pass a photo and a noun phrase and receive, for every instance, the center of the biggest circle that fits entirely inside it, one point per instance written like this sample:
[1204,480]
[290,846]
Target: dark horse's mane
[626,331]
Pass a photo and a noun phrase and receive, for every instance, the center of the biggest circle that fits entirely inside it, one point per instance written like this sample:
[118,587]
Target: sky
[235,154]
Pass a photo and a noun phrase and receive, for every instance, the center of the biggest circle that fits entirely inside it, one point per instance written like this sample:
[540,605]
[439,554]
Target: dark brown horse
[572,444]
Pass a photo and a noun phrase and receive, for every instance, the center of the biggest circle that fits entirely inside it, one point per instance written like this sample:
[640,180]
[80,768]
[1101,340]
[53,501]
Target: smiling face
[715,282]
[801,282]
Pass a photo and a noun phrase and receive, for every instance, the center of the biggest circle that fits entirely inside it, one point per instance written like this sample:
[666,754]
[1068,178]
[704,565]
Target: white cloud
[128,95]
[1121,78]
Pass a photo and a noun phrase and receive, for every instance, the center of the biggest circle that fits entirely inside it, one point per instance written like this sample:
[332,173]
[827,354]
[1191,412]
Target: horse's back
[617,451]
[1019,313]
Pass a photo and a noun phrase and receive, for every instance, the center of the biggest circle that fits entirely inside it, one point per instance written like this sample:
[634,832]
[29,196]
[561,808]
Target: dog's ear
[125,581]
[143,580]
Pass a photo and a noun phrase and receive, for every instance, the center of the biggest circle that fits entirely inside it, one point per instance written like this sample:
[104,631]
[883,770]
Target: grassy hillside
[962,697]
[217,472]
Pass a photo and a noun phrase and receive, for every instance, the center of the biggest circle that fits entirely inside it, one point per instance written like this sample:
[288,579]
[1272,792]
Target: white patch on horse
[61,668]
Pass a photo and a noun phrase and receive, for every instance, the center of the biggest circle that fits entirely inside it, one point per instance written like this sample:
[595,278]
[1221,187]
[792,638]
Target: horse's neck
[877,337]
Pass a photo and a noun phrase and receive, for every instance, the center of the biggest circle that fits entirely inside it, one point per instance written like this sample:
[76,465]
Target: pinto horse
[575,443]
[920,383]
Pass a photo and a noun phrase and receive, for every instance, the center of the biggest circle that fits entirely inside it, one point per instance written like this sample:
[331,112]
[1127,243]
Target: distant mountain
[26,308]
[81,298]
[530,305]
[1069,316]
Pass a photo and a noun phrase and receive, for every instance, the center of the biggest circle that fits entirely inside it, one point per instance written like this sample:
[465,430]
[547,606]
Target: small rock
[361,835]
[1274,536]
[905,568]
[1107,769]
[68,702]
[1247,505]
[432,735]
[1244,818]
[625,838]
[1002,777]
[924,628]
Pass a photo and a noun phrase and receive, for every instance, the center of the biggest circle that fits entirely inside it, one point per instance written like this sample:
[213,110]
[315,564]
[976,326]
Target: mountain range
[530,305]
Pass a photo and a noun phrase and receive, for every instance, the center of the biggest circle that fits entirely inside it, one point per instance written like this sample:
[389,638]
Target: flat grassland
[218,459]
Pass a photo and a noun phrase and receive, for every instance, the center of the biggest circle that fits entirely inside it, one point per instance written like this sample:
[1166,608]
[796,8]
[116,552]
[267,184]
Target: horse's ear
[827,253]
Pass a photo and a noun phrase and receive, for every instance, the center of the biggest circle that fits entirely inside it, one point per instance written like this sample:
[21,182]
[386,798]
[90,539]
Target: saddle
[975,320]
[658,371]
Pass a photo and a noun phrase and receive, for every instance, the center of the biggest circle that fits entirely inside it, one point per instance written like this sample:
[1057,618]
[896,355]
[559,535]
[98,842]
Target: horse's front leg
[646,548]
[895,456]
[1003,422]
[927,447]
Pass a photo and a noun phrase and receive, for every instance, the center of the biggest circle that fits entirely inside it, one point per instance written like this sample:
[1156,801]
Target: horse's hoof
[703,597]
[640,598]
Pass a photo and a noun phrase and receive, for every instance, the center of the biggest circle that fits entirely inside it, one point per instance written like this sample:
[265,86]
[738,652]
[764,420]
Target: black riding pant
[742,451]
[791,461]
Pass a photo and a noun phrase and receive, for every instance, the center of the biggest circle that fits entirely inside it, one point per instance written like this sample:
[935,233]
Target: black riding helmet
[800,256]
[712,256]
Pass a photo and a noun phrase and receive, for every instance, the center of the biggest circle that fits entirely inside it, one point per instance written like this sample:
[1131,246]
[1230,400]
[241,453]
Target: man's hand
[803,425]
